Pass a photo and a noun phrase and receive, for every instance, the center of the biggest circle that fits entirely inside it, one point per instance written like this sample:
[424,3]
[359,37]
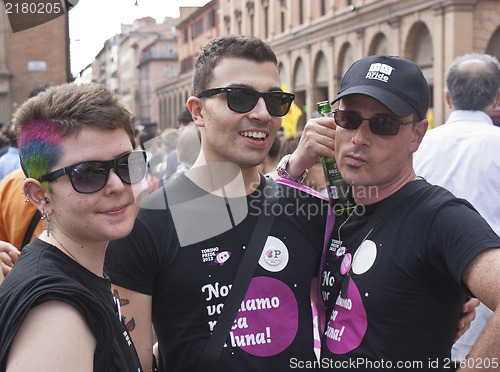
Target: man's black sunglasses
[91,176]
[243,100]
[382,125]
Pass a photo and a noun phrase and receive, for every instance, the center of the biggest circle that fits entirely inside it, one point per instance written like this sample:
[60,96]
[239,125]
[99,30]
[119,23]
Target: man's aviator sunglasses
[242,100]
[382,125]
[91,176]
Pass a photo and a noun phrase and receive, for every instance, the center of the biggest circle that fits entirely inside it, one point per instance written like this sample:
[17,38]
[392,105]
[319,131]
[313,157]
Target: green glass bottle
[339,191]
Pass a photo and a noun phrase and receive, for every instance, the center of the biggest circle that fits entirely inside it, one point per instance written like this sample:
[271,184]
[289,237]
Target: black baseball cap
[395,82]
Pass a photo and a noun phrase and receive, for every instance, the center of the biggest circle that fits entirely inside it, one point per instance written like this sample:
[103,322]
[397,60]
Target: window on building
[169,70]
[187,64]
[282,15]
[266,22]
[169,51]
[186,35]
[251,25]
[301,12]
[323,7]
[145,72]
[197,28]
[146,114]
[211,19]
[147,91]
[150,52]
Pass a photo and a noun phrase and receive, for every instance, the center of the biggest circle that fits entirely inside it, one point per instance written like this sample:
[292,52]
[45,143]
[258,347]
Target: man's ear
[497,101]
[194,105]
[447,99]
[37,195]
[418,134]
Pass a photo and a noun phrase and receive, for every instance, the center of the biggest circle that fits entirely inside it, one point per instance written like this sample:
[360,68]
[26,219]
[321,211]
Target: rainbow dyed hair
[43,121]
[40,147]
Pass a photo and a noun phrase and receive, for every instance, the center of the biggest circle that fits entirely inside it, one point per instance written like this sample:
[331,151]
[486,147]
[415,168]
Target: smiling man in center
[177,267]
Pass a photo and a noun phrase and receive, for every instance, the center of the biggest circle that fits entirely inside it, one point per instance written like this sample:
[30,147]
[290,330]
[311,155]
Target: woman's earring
[26,196]
[46,218]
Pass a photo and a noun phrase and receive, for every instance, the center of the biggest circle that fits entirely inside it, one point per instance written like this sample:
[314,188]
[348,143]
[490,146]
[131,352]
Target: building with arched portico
[317,40]
[315,55]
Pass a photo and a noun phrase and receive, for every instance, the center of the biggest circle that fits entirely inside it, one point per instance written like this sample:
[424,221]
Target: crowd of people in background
[169,152]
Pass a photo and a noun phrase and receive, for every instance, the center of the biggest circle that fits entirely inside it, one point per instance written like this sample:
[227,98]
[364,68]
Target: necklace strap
[341,262]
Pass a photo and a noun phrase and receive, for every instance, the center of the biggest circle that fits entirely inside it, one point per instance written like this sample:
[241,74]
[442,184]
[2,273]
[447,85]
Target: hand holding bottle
[339,192]
[318,138]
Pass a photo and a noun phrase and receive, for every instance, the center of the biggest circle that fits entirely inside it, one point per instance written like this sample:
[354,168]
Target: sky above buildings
[92,22]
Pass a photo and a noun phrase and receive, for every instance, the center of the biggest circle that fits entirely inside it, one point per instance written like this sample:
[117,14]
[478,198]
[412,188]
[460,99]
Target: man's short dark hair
[37,90]
[230,46]
[184,117]
[11,135]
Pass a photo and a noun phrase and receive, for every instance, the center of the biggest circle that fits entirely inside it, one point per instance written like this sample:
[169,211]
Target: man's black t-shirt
[405,291]
[186,254]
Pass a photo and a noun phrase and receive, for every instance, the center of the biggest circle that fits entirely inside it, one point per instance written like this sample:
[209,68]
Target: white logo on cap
[379,71]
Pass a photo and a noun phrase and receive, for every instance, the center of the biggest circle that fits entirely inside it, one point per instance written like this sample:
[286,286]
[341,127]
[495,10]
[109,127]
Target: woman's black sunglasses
[91,176]
[243,100]
[382,125]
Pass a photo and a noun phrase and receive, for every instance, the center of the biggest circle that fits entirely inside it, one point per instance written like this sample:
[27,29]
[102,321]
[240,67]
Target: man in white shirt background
[462,155]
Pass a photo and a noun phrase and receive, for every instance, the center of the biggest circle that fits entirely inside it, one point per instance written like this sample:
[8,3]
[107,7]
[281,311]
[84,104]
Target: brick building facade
[31,58]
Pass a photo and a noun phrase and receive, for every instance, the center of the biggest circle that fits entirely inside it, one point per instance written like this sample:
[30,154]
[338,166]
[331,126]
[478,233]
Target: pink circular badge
[346,264]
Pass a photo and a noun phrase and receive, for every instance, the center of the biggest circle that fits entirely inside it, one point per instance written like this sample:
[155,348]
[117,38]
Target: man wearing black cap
[404,259]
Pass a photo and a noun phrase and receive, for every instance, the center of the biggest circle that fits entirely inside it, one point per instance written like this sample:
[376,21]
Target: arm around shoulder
[8,257]
[53,336]
[482,277]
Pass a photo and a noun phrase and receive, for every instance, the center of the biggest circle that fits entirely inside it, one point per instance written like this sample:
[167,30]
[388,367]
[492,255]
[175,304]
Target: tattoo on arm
[130,325]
